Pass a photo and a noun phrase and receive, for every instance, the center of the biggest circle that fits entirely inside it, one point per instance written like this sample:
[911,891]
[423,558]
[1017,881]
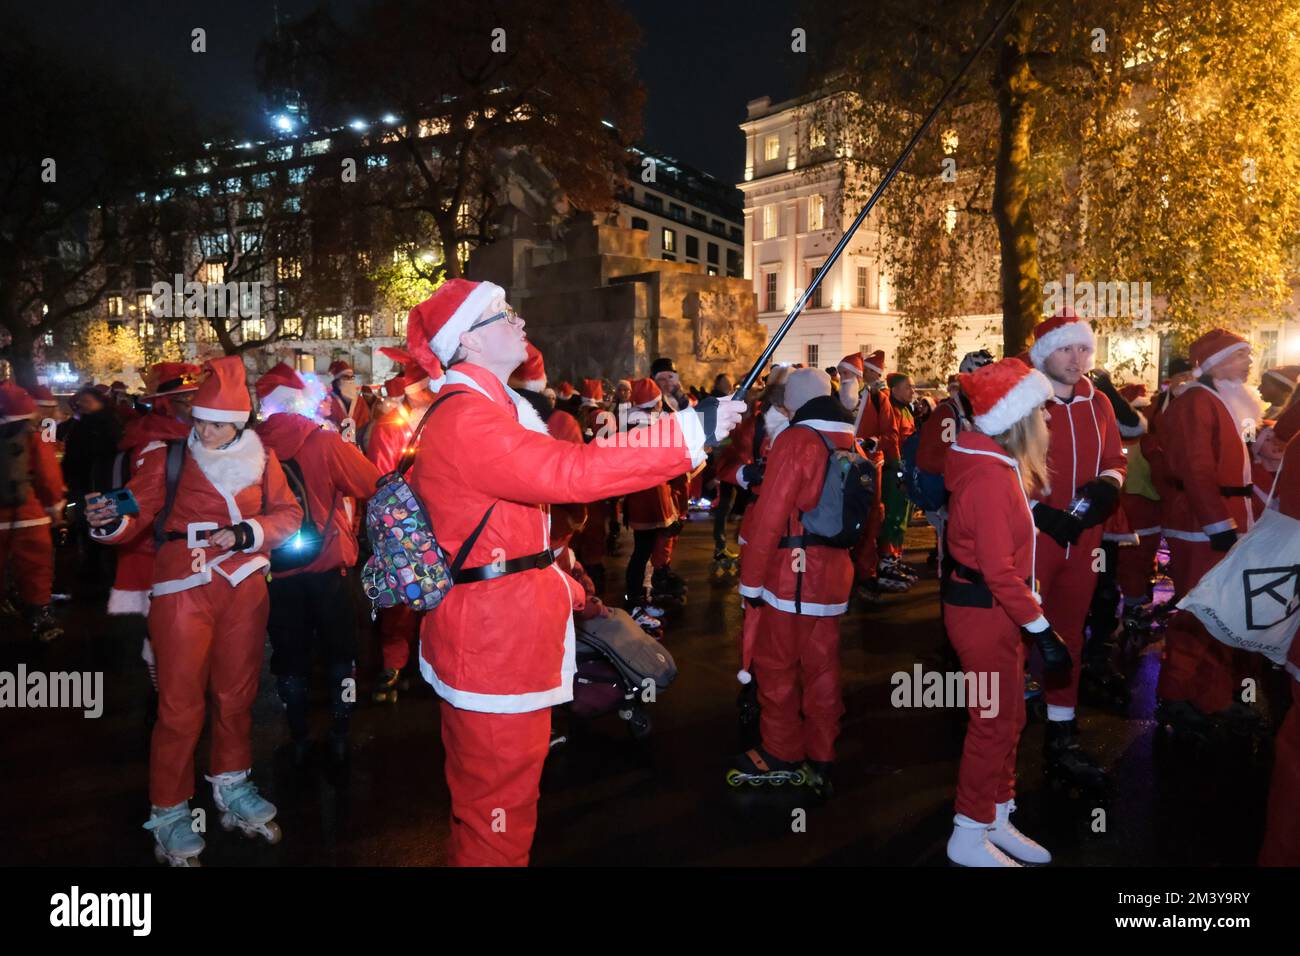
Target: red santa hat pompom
[338,368]
[437,323]
[42,395]
[530,374]
[280,389]
[1064,328]
[593,391]
[875,362]
[222,396]
[1003,393]
[1213,347]
[15,403]
[851,365]
[1284,375]
[645,393]
[170,378]
[566,390]
[1135,393]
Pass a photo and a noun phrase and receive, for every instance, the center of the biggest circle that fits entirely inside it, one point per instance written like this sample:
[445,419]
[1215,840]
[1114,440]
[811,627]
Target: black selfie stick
[766,357]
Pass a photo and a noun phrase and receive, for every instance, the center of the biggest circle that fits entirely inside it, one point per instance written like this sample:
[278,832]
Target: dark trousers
[643,546]
[313,614]
[721,511]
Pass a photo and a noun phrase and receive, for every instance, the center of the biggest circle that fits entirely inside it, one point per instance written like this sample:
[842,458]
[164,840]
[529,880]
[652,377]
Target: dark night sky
[701,62]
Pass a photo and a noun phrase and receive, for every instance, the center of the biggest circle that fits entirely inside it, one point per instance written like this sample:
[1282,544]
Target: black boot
[293,695]
[45,627]
[1067,762]
[819,775]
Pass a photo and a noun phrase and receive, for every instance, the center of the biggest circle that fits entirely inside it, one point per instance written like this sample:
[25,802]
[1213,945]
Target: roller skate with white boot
[175,841]
[242,806]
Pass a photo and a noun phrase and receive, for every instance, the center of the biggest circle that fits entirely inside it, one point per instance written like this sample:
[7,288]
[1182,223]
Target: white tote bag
[1250,599]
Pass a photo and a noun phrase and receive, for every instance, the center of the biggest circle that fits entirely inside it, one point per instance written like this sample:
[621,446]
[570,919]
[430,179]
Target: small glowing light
[358,125]
[282,123]
[390,119]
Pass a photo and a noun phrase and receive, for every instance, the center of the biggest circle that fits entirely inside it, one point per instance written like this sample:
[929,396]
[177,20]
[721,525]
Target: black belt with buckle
[531,562]
[1225,491]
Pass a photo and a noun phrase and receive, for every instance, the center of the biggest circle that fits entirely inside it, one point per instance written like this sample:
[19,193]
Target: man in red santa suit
[216,521]
[1203,436]
[387,440]
[1275,387]
[31,499]
[798,585]
[862,394]
[650,513]
[311,603]
[990,608]
[1282,824]
[347,409]
[1086,468]
[499,649]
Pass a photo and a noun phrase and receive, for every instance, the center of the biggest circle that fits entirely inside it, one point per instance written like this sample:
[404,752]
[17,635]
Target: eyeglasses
[510,315]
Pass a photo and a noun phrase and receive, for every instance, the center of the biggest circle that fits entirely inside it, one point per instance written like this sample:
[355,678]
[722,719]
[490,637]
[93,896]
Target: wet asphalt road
[74,789]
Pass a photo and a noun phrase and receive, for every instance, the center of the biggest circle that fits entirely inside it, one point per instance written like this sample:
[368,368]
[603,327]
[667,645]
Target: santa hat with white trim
[339,367]
[850,365]
[170,378]
[1213,347]
[1284,375]
[645,393]
[875,362]
[222,396]
[15,403]
[416,375]
[280,389]
[593,391]
[1064,328]
[530,374]
[1003,393]
[438,322]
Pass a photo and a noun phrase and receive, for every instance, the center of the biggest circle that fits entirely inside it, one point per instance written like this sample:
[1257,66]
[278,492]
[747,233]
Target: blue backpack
[924,489]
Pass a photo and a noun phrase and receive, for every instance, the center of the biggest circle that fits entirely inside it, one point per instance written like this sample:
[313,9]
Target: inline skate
[242,806]
[757,767]
[175,841]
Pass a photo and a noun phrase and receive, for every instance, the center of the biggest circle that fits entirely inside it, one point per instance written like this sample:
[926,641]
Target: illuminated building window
[772,146]
[363,325]
[329,326]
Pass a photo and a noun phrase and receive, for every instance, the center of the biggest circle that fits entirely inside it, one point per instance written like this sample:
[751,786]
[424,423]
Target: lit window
[316,147]
[815,301]
[363,325]
[115,305]
[175,331]
[770,303]
[772,147]
[144,305]
[147,329]
[949,140]
[329,327]
[399,324]
[816,137]
[363,260]
[293,204]
[232,185]
[298,175]
[253,329]
[261,180]
[770,221]
[864,275]
[380,159]
[288,267]
[816,212]
[292,326]
[278,154]
[670,240]
[254,210]
[434,127]
[212,273]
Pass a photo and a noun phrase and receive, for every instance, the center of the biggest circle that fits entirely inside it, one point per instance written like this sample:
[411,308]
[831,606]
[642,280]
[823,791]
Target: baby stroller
[618,663]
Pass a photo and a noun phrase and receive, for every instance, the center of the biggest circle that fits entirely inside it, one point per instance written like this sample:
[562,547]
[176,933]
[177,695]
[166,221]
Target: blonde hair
[1027,441]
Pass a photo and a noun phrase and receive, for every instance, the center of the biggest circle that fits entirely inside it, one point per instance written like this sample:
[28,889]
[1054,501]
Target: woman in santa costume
[386,442]
[798,585]
[650,513]
[226,508]
[31,499]
[990,606]
[591,543]
[1203,436]
[347,409]
[311,605]
[1282,828]
[499,649]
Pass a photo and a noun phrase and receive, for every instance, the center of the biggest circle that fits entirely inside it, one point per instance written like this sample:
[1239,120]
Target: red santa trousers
[209,642]
[30,552]
[1195,667]
[1136,564]
[988,642]
[1282,830]
[399,628]
[1066,581]
[797,666]
[494,765]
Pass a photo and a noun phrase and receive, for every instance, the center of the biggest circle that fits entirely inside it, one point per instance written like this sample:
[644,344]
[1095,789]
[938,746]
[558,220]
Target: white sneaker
[969,845]
[1004,835]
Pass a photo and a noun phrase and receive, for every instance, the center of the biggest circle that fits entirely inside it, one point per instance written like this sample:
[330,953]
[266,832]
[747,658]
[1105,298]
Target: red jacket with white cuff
[820,583]
[46,490]
[1205,453]
[336,476]
[222,488]
[990,525]
[506,645]
[1085,443]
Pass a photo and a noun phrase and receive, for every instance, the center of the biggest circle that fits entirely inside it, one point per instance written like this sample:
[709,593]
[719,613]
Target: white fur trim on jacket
[1027,394]
[528,416]
[447,339]
[1073,333]
[233,468]
[128,602]
[693,432]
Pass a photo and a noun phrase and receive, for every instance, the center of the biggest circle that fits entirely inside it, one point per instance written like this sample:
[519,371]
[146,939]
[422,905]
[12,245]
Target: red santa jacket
[216,489]
[336,476]
[1085,443]
[754,444]
[878,420]
[1204,453]
[506,645]
[819,584]
[46,490]
[143,436]
[938,432]
[654,507]
[389,435]
[359,413]
[990,525]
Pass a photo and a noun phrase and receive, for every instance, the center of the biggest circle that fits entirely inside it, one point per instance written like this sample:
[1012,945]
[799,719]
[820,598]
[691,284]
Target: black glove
[243,536]
[1056,656]
[752,474]
[1103,497]
[707,409]
[1061,527]
[754,601]
[1223,540]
